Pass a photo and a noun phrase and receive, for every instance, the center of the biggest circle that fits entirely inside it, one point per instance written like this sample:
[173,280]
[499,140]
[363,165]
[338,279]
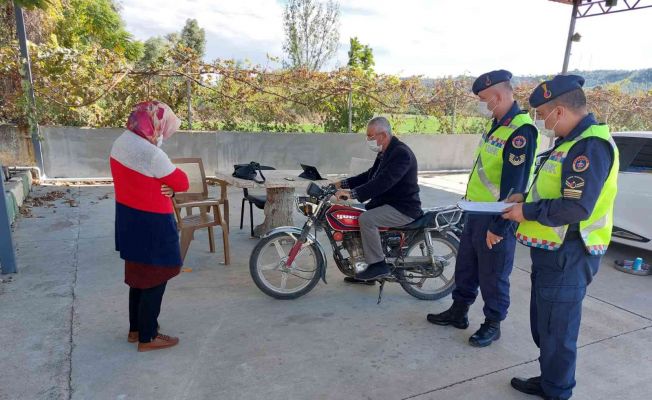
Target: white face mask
[484,110]
[159,141]
[374,146]
[541,125]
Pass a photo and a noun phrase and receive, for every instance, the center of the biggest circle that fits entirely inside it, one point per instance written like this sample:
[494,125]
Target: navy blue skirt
[147,238]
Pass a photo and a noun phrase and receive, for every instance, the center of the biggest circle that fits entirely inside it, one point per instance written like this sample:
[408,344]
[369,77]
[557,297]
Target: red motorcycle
[289,261]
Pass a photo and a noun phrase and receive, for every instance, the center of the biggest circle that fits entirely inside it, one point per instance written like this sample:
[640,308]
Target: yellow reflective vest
[484,183]
[596,230]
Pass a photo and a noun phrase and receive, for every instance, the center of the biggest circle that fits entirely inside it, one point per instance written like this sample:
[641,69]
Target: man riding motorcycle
[392,189]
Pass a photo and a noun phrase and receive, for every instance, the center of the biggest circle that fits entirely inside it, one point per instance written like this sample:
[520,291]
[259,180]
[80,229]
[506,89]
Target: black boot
[455,315]
[528,386]
[488,332]
[374,271]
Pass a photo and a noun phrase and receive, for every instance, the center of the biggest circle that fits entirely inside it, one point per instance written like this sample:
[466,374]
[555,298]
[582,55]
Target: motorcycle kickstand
[380,292]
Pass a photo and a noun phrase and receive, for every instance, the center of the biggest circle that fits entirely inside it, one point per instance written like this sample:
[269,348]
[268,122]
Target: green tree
[88,22]
[311,32]
[39,21]
[30,4]
[194,37]
[360,56]
[361,63]
[160,50]
[155,50]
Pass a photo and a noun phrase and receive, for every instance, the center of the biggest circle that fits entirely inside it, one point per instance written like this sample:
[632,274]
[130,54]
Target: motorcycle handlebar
[329,190]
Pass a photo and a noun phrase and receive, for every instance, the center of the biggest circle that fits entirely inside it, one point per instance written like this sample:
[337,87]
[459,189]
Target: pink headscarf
[152,119]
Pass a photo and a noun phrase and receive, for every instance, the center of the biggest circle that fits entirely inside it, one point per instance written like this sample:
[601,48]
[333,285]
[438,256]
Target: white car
[633,209]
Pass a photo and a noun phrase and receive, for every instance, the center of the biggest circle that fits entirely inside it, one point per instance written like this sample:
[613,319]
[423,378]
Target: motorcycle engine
[353,244]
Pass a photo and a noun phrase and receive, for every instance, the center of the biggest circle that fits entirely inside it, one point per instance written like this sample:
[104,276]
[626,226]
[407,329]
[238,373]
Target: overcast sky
[418,37]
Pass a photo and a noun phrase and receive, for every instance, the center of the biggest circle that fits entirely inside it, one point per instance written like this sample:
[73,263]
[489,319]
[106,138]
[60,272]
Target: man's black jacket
[392,180]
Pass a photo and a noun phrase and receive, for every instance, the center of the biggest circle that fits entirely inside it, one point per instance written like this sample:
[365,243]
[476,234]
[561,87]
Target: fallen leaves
[45,201]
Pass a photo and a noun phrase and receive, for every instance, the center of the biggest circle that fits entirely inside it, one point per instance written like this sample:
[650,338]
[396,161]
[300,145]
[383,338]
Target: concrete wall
[16,191]
[77,152]
[15,146]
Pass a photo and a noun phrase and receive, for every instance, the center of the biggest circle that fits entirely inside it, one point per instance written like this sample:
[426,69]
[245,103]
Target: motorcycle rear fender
[296,231]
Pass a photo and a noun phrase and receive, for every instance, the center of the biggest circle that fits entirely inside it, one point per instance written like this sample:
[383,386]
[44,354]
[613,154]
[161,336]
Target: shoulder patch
[574,182]
[519,142]
[516,160]
[581,164]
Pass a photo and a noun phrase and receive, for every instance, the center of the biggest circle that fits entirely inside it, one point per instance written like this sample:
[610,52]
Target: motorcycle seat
[423,222]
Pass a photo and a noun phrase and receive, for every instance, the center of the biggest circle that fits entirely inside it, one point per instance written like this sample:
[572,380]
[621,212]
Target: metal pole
[569,40]
[350,105]
[27,80]
[350,102]
[7,255]
[454,116]
[189,94]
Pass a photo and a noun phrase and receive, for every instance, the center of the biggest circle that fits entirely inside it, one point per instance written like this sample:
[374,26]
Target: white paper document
[477,207]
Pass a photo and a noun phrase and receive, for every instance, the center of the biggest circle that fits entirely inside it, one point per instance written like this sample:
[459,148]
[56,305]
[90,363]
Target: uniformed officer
[504,165]
[566,221]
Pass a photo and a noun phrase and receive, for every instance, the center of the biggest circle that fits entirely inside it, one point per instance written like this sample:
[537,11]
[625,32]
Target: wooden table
[280,186]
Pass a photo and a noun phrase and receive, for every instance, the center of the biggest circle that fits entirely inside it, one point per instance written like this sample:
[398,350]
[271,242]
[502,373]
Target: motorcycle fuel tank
[344,218]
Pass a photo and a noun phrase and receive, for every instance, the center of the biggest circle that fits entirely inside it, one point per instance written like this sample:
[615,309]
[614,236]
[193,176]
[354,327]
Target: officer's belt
[571,235]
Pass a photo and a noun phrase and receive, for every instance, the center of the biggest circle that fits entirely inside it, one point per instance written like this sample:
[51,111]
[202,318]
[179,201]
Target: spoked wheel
[270,272]
[445,248]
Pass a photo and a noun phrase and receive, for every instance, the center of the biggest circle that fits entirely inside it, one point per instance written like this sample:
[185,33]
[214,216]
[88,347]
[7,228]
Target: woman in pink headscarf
[145,229]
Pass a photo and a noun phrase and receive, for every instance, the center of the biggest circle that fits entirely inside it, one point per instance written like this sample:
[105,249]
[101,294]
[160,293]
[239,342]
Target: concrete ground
[63,324]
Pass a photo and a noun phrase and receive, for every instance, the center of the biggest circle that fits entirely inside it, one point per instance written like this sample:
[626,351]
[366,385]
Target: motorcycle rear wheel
[446,247]
[273,278]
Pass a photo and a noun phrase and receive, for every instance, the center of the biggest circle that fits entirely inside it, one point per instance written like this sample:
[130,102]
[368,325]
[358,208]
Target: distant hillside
[629,80]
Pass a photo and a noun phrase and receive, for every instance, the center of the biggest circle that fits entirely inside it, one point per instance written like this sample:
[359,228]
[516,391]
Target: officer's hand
[492,239]
[514,213]
[338,185]
[343,194]
[167,191]
[515,198]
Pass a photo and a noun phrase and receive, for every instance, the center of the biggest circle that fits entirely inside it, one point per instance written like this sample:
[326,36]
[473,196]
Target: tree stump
[278,210]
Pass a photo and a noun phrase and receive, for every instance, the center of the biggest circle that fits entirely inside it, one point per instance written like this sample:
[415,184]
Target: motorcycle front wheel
[273,277]
[445,247]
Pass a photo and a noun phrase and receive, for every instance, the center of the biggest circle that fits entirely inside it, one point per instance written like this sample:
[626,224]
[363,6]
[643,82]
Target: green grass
[407,123]
[311,128]
[410,123]
[401,124]
[415,124]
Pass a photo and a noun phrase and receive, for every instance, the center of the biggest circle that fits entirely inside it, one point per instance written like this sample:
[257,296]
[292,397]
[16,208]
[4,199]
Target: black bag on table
[250,171]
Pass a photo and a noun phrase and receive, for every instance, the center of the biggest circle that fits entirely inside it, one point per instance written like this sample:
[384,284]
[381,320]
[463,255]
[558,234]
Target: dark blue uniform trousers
[559,281]
[478,266]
